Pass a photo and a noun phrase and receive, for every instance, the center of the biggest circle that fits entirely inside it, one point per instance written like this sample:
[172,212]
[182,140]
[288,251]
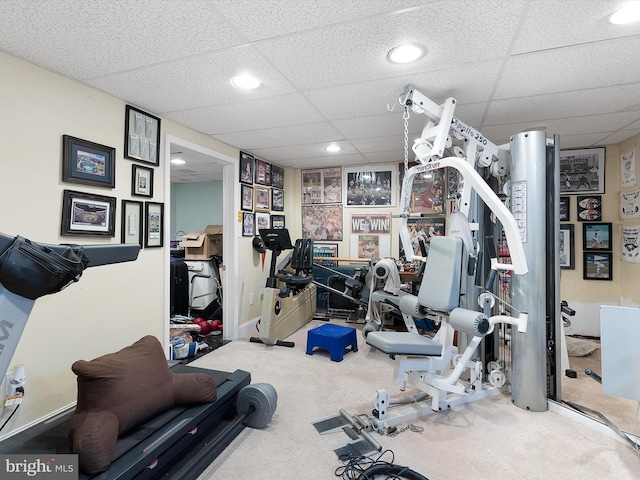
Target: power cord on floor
[17,401]
[369,468]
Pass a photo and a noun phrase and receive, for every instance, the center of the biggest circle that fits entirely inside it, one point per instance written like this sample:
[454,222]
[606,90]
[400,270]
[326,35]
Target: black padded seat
[404,343]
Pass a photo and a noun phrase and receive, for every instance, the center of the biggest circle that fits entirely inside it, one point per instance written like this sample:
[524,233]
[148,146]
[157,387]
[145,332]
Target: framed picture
[88,163]
[329,250]
[246,198]
[141,181]
[565,209]
[248,227]
[428,190]
[589,208]
[263,199]
[277,221]
[141,136]
[597,266]
[263,173]
[131,222]
[423,228]
[322,222]
[277,199]
[154,222]
[582,171]
[322,185]
[567,256]
[277,176]
[263,221]
[373,186]
[246,168]
[87,214]
[596,236]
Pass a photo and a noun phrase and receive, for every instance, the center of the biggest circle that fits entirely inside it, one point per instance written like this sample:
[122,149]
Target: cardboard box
[203,244]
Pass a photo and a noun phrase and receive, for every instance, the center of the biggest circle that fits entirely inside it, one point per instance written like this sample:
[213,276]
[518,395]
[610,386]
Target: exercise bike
[289,299]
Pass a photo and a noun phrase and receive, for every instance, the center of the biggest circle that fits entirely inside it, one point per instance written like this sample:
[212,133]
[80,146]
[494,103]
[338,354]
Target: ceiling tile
[268,18]
[87,39]
[565,69]
[551,24]
[341,53]
[204,80]
[259,114]
[282,136]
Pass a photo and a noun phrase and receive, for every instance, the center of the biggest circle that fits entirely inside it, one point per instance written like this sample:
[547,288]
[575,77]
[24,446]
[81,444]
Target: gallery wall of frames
[89,163]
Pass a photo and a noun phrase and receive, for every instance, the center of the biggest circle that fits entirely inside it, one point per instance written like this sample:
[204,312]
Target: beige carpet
[490,438]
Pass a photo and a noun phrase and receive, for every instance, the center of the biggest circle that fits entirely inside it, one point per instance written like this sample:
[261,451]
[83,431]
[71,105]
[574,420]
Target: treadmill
[176,444]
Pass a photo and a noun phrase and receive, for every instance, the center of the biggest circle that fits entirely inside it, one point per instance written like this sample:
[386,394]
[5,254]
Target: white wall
[111,306]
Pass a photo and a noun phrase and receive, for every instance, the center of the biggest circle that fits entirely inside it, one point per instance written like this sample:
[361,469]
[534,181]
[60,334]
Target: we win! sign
[377,223]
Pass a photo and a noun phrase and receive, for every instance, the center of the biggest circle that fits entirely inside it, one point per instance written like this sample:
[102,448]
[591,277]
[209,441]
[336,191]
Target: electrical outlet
[251,299]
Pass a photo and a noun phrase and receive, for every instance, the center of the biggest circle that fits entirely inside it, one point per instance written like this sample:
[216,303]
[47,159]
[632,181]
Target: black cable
[7,420]
[368,468]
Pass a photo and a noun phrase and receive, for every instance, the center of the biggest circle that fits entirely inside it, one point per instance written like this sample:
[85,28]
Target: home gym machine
[178,443]
[453,289]
[289,299]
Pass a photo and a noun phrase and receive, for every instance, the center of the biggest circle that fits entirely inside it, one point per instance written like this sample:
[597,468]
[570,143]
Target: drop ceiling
[512,65]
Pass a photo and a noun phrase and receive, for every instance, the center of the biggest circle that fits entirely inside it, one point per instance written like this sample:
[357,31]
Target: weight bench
[429,363]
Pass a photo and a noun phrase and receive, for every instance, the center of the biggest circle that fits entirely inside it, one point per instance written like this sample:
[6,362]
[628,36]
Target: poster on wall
[420,229]
[322,222]
[322,185]
[428,190]
[630,250]
[628,168]
[373,186]
[630,204]
[370,235]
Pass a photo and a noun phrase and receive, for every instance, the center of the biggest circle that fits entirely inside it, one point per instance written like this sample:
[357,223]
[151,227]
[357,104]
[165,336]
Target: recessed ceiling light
[333,148]
[178,161]
[405,53]
[628,14]
[245,81]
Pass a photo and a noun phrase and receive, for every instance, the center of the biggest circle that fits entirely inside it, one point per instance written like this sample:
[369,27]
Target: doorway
[227,273]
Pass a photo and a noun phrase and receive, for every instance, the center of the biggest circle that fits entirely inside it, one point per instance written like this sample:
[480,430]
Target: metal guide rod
[359,429]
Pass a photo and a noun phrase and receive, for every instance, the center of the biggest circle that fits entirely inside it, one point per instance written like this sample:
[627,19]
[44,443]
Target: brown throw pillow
[119,390]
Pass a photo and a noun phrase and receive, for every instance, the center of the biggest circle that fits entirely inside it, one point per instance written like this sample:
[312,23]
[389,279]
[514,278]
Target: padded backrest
[302,256]
[440,286]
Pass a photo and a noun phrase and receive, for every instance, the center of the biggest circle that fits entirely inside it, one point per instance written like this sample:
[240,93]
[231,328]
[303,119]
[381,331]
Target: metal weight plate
[263,398]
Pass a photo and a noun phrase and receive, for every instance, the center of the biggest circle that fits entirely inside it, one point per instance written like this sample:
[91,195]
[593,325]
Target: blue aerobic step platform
[334,338]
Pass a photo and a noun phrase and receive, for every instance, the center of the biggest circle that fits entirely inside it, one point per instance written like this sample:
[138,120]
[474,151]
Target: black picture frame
[246,198]
[248,224]
[262,173]
[246,168]
[278,221]
[87,214]
[154,224]
[565,209]
[567,255]
[132,222]
[277,199]
[597,237]
[141,181]
[589,208]
[597,266]
[277,176]
[88,163]
[141,136]
[582,171]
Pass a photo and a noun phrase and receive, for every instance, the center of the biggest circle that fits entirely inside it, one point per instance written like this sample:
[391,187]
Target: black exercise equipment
[176,444]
